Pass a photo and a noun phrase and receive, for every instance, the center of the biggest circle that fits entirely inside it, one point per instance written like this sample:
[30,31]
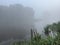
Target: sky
[46,10]
[37,5]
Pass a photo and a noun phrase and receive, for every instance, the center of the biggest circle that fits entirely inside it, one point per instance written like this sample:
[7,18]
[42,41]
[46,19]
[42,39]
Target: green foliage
[46,30]
[38,40]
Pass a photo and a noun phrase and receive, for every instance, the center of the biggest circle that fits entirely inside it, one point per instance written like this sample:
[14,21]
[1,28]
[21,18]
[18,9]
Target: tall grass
[37,40]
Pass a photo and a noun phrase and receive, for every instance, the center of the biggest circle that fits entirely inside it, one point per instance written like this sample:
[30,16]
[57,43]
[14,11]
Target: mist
[21,17]
[16,21]
[48,11]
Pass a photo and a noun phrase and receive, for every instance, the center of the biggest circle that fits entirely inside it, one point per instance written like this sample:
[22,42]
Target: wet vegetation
[50,39]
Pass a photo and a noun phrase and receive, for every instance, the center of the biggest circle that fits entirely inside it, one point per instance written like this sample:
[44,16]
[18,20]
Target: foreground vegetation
[48,40]
[37,40]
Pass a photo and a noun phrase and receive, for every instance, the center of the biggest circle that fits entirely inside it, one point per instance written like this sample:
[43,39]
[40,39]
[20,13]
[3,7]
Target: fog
[48,11]
[16,21]
[14,17]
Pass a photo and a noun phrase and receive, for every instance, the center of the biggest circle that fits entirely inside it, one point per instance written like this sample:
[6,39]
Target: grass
[37,40]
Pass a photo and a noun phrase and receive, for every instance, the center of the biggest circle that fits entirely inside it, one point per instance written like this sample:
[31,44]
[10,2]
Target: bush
[37,40]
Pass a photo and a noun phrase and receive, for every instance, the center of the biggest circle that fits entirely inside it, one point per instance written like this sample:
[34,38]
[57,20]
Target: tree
[55,28]
[46,30]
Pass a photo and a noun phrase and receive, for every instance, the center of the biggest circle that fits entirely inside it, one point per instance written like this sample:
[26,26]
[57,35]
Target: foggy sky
[46,10]
[52,7]
[16,21]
